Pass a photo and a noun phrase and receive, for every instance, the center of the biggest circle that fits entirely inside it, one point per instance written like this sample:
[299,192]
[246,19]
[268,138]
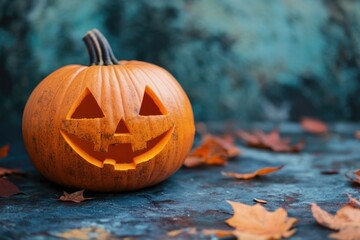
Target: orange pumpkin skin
[108,128]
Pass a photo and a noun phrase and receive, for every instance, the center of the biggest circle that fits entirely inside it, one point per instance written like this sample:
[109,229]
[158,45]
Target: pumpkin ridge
[145,74]
[175,96]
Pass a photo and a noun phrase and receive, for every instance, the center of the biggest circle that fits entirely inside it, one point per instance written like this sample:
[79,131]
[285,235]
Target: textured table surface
[191,197]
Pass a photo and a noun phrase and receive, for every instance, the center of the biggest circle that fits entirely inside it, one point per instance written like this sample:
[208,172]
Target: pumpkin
[110,126]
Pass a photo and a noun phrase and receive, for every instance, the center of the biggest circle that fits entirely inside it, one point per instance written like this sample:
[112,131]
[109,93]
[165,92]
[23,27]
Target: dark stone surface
[191,197]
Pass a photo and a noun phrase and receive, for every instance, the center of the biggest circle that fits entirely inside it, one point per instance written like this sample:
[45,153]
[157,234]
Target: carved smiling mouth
[121,155]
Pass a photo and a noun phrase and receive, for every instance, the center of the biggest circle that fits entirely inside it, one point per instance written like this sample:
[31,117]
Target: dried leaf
[271,141]
[7,188]
[260,201]
[330,172]
[324,218]
[246,176]
[4,151]
[348,232]
[255,222]
[353,201]
[227,142]
[86,234]
[212,151]
[76,197]
[354,176]
[313,126]
[218,233]
[175,233]
[346,220]
[6,171]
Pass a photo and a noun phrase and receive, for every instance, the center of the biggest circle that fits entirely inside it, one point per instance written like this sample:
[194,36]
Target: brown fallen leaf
[86,234]
[260,200]
[255,222]
[246,176]
[271,141]
[346,220]
[353,176]
[213,150]
[7,188]
[314,126]
[76,197]
[6,171]
[4,151]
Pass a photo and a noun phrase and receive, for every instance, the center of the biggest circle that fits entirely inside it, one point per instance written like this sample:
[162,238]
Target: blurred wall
[242,60]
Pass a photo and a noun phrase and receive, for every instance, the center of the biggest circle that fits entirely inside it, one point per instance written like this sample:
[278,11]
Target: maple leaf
[346,220]
[271,141]
[76,197]
[255,222]
[313,126]
[6,171]
[246,176]
[212,151]
[354,176]
[86,233]
[4,150]
[7,188]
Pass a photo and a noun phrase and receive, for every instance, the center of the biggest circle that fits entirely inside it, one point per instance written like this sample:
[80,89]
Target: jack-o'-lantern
[111,126]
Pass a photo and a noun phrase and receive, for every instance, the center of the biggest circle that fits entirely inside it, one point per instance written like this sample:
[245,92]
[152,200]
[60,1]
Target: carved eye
[86,107]
[151,104]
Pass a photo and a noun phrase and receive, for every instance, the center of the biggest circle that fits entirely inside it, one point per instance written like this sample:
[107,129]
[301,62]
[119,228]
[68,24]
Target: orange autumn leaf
[212,151]
[313,126]
[85,233]
[175,233]
[76,197]
[255,222]
[271,141]
[354,176]
[246,176]
[346,220]
[218,233]
[4,150]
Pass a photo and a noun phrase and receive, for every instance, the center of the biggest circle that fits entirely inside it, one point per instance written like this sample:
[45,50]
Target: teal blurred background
[240,60]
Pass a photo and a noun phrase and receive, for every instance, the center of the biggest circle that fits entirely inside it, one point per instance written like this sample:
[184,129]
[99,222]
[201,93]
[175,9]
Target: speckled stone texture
[244,60]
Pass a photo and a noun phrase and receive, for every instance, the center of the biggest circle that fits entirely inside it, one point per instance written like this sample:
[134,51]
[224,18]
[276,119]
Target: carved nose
[122,128]
[120,136]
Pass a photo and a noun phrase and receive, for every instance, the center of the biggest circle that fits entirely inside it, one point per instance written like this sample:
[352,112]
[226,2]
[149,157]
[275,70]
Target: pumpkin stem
[99,49]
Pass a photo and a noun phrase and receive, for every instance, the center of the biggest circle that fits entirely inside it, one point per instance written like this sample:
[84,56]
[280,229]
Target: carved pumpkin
[111,126]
